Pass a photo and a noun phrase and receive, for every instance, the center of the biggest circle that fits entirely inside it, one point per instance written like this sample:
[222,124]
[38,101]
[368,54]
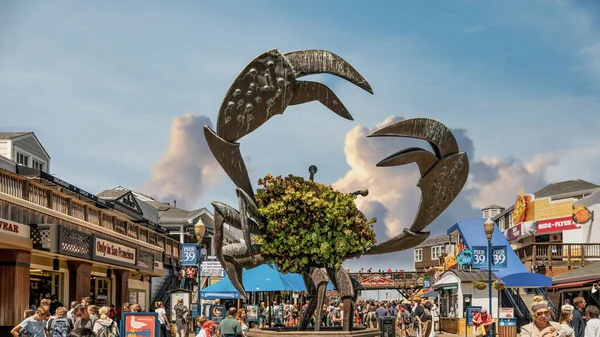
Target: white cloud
[187,168]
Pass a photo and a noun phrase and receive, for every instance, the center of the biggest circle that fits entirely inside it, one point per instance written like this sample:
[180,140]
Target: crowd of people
[83,319]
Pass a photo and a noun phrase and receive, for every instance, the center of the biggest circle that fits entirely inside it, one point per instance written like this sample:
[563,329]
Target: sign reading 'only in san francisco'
[114,251]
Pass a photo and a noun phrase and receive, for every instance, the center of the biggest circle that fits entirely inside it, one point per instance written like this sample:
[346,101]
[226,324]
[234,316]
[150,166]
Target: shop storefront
[15,256]
[457,292]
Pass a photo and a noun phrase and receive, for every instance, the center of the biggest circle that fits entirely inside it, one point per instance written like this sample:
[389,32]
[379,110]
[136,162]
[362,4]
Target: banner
[556,225]
[480,257]
[189,254]
[499,257]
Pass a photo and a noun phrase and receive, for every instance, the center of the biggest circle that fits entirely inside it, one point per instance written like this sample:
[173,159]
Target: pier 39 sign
[108,251]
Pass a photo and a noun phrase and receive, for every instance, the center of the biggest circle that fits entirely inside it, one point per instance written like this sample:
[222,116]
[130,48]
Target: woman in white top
[162,318]
[565,323]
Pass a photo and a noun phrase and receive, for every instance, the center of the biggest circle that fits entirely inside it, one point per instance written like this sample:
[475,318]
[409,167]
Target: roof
[436,241]
[562,187]
[112,194]
[589,200]
[12,135]
[588,272]
[493,206]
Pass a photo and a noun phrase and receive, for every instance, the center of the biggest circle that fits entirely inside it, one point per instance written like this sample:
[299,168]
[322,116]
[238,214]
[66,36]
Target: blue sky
[101,84]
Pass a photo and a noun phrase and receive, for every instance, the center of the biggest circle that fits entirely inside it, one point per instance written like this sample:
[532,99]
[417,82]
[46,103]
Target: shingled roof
[11,135]
[436,241]
[563,187]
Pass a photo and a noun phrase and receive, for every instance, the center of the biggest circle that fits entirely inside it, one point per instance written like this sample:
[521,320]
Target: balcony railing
[105,220]
[559,254]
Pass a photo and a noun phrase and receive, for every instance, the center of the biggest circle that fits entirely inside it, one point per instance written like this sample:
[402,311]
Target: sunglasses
[543,313]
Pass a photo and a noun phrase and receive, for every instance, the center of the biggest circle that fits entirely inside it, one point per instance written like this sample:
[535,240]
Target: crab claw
[315,61]
[406,240]
[443,175]
[267,86]
[438,135]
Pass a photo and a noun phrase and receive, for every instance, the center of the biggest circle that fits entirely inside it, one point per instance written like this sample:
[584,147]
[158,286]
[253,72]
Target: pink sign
[513,232]
[556,225]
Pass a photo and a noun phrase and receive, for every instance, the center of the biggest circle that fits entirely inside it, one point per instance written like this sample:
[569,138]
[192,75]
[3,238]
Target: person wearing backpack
[60,326]
[105,326]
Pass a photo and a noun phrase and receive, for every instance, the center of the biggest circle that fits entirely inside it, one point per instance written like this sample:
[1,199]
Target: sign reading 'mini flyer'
[140,324]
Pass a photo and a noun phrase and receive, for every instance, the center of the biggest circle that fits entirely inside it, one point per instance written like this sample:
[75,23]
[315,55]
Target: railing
[163,293]
[30,191]
[571,254]
[542,292]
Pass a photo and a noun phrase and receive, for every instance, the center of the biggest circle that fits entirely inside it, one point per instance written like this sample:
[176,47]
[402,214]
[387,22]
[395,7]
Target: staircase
[162,295]
[528,300]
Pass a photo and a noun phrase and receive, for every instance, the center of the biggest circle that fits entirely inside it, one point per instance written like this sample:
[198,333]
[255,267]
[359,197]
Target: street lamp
[199,230]
[488,228]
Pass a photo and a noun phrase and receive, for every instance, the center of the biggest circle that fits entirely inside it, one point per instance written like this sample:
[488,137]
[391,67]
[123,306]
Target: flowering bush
[310,224]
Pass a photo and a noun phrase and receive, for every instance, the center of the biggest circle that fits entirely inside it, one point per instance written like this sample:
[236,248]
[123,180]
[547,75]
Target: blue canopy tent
[515,274]
[261,278]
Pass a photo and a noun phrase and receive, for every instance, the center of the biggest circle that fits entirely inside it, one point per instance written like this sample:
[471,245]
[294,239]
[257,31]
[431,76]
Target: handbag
[480,330]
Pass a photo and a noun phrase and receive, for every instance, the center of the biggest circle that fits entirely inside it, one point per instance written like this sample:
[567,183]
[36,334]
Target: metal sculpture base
[324,332]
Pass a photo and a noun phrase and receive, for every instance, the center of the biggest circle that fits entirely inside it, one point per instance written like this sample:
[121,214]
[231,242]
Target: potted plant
[480,285]
[498,285]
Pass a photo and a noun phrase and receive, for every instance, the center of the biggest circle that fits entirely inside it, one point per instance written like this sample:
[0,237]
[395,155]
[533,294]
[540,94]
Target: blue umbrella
[266,278]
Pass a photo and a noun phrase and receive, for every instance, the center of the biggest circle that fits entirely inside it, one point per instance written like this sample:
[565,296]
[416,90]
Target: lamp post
[199,230]
[488,228]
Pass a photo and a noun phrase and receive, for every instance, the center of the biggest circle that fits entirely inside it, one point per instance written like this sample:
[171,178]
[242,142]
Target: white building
[25,149]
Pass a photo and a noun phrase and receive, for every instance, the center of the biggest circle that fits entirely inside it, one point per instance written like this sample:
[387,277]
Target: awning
[570,285]
[515,274]
[432,293]
[526,280]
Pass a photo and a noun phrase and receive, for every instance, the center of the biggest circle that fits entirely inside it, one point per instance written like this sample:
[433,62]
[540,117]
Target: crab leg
[232,268]
[343,283]
[316,286]
[229,157]
[307,91]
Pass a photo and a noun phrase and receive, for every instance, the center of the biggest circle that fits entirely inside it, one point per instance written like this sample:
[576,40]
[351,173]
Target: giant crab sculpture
[265,88]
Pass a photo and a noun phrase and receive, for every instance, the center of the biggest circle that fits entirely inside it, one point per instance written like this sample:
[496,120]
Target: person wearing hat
[208,329]
[484,319]
[567,306]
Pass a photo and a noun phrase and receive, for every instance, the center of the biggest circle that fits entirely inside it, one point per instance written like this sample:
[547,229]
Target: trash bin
[387,326]
[507,327]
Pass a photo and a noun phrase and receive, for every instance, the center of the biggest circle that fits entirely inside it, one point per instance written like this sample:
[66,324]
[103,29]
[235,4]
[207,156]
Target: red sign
[556,225]
[140,325]
[513,232]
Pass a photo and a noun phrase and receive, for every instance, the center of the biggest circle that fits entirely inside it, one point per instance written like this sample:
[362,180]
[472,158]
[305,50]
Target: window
[37,165]
[22,159]
[510,220]
[436,252]
[501,223]
[486,214]
[418,255]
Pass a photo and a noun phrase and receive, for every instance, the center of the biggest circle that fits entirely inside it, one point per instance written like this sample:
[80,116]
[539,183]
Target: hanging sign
[479,257]
[465,258]
[189,253]
[499,257]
